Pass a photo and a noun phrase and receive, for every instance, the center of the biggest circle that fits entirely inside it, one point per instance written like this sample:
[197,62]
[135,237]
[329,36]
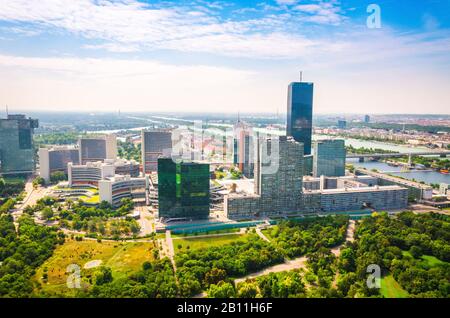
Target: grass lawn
[426,261]
[16,179]
[391,289]
[122,257]
[431,261]
[95,199]
[202,242]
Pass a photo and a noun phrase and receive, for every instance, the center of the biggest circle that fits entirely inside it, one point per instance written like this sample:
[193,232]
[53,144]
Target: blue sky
[198,55]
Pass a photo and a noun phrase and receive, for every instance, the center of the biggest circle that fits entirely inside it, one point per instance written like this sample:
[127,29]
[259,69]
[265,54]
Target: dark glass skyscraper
[183,189]
[16,144]
[299,113]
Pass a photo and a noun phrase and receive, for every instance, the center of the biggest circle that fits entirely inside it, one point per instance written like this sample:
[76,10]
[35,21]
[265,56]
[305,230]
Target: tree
[248,290]
[57,176]
[103,275]
[47,213]
[214,276]
[415,251]
[38,181]
[221,290]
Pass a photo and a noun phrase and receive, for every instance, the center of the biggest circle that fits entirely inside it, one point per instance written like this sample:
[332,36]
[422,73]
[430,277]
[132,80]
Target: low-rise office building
[91,173]
[352,199]
[114,189]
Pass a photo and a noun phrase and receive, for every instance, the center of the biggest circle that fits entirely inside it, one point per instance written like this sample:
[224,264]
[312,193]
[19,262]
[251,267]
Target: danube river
[425,176]
[418,175]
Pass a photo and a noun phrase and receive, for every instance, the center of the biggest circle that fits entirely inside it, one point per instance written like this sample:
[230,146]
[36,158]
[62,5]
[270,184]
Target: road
[31,197]
[261,235]
[145,220]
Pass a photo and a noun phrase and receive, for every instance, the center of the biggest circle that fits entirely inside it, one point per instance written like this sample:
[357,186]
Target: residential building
[55,159]
[155,144]
[183,189]
[329,158]
[16,144]
[299,113]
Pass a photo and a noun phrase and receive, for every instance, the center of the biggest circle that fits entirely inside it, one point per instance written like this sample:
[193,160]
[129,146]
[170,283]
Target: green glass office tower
[183,189]
[16,144]
[299,113]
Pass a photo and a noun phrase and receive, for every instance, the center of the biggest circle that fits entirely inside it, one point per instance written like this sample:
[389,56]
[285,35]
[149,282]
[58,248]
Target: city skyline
[229,56]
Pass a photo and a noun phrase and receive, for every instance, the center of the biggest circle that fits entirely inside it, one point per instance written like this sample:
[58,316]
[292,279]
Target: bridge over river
[400,154]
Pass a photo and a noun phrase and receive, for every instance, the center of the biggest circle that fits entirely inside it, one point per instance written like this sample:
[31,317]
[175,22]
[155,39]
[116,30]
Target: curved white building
[114,189]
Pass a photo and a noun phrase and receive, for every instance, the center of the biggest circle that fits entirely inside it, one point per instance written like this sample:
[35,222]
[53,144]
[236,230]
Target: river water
[425,176]
[418,175]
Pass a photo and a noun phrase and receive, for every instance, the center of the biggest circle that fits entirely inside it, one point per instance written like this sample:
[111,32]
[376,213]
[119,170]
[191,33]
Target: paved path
[299,262]
[261,235]
[170,249]
[296,263]
[348,238]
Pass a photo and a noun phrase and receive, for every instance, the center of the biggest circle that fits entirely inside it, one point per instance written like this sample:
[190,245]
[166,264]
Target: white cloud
[322,12]
[132,85]
[286,2]
[127,26]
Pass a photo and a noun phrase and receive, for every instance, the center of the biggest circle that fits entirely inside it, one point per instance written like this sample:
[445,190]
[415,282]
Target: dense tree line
[56,138]
[22,252]
[197,270]
[396,245]
[155,280]
[275,285]
[300,238]
[129,150]
[9,189]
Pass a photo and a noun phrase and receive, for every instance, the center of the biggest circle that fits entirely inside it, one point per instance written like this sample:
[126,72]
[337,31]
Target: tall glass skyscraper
[299,113]
[183,189]
[16,144]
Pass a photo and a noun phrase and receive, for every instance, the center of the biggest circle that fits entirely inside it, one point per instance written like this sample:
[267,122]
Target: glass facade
[299,113]
[154,145]
[329,158]
[183,189]
[92,149]
[16,144]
